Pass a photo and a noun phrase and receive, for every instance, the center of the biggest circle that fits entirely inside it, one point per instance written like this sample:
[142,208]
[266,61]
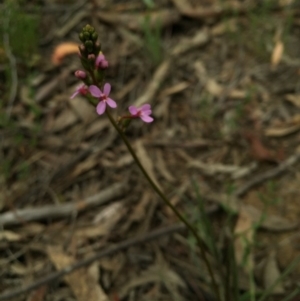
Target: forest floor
[223,79]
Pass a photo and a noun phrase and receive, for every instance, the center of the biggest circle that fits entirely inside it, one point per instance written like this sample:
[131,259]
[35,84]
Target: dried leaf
[83,282]
[213,169]
[278,223]
[224,27]
[244,232]
[7,235]
[86,165]
[284,3]
[109,215]
[39,294]
[134,21]
[162,168]
[269,221]
[174,89]
[280,132]
[272,273]
[158,273]
[213,87]
[96,127]
[65,119]
[182,5]
[294,99]
[62,50]
[104,222]
[277,54]
[258,150]
[140,210]
[83,109]
[146,161]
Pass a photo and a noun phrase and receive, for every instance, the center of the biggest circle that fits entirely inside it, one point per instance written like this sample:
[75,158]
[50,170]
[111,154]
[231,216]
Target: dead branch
[63,210]
[268,175]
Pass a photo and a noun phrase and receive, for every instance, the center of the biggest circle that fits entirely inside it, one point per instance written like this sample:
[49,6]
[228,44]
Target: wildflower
[82,89]
[143,112]
[101,62]
[103,97]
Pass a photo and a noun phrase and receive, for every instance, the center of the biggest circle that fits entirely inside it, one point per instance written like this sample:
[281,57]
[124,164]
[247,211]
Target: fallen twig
[63,210]
[275,172]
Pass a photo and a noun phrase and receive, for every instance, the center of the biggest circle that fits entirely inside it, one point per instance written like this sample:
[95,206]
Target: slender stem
[168,203]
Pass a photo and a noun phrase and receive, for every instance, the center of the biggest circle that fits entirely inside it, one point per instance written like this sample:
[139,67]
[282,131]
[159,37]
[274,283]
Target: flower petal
[145,107]
[111,103]
[101,107]
[95,91]
[147,112]
[147,119]
[106,89]
[74,94]
[133,110]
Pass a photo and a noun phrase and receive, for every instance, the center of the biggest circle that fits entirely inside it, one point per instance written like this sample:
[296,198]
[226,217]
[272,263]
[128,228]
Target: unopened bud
[82,49]
[81,37]
[91,57]
[94,36]
[80,74]
[86,36]
[97,47]
[89,45]
[101,62]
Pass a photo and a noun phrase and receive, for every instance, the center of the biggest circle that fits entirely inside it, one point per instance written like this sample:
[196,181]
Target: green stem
[168,203]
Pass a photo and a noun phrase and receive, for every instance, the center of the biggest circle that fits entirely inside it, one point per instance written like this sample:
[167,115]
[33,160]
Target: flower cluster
[95,65]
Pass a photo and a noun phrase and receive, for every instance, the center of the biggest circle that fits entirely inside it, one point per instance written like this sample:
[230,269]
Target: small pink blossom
[82,89]
[103,97]
[101,62]
[143,112]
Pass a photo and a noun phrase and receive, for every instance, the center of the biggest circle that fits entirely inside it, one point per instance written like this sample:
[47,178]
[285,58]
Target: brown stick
[63,210]
[275,172]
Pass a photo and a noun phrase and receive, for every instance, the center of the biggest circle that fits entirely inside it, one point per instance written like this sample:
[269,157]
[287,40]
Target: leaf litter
[227,113]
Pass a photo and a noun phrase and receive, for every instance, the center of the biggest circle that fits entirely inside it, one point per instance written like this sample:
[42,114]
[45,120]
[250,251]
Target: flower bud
[82,49]
[94,36]
[89,45]
[80,74]
[101,62]
[81,37]
[86,36]
[97,47]
[91,57]
[88,28]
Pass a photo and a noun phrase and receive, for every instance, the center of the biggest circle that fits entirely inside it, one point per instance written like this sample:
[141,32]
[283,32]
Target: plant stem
[168,203]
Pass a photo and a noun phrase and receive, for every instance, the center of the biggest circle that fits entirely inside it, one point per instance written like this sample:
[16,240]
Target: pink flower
[82,89]
[103,97]
[101,62]
[143,112]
